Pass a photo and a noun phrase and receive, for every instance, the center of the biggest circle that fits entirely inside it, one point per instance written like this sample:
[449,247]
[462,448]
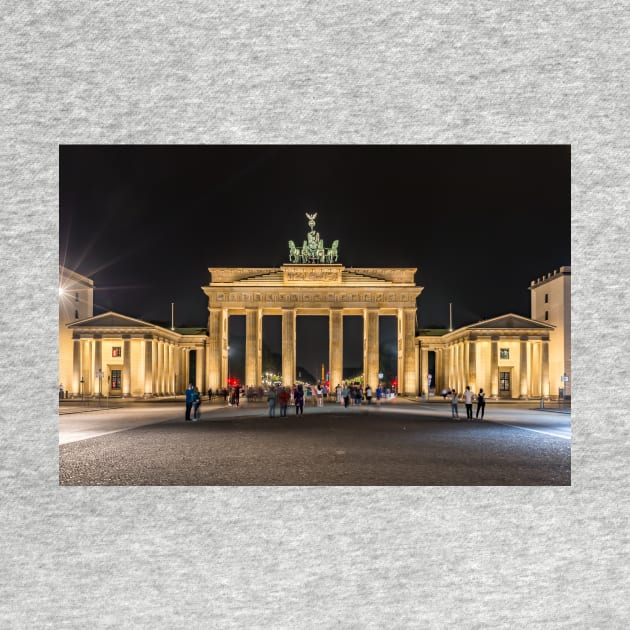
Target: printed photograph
[315,315]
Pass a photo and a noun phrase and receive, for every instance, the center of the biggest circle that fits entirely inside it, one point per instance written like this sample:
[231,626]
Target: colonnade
[217,361]
[147,365]
[477,362]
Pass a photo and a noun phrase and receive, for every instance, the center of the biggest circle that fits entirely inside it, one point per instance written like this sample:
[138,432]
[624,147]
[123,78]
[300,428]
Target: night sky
[478,222]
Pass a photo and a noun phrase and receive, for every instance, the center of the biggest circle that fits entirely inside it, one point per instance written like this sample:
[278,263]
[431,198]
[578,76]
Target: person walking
[299,400]
[319,392]
[345,394]
[210,394]
[237,395]
[454,412]
[189,400]
[368,394]
[283,399]
[379,394]
[271,401]
[468,401]
[196,402]
[481,403]
[338,391]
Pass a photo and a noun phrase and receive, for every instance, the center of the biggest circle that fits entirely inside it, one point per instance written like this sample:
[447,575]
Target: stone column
[423,371]
[171,368]
[407,327]
[494,367]
[126,371]
[253,347]
[87,368]
[523,367]
[288,346]
[148,366]
[535,369]
[215,345]
[440,368]
[370,347]
[157,390]
[98,365]
[458,367]
[335,346]
[472,364]
[164,358]
[76,367]
[544,368]
[225,363]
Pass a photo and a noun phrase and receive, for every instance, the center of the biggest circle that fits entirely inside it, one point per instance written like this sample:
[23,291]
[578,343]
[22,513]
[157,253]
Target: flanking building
[116,355]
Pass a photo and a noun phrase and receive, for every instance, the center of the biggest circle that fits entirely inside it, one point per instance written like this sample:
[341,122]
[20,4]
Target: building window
[546,315]
[76,313]
[116,351]
[504,382]
[546,298]
[505,353]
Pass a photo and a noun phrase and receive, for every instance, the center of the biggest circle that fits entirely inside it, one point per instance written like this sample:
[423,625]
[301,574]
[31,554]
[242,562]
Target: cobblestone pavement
[400,445]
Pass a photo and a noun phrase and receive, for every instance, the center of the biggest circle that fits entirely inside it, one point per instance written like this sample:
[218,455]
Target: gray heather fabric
[328,72]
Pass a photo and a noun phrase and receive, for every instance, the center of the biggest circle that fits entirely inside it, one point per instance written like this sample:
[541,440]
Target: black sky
[479,222]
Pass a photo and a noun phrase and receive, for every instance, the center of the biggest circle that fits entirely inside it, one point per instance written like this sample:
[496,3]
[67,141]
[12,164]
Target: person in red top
[283,399]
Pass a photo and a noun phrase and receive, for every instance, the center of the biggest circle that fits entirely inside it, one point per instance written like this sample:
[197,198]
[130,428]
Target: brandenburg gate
[313,283]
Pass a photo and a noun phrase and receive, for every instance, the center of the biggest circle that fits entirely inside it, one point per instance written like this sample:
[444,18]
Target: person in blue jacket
[190,393]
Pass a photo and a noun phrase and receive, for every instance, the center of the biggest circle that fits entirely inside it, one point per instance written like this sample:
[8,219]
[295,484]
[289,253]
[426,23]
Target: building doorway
[505,384]
[115,382]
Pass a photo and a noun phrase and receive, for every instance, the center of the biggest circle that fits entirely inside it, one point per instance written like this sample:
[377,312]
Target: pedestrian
[379,394]
[358,394]
[237,395]
[368,394]
[189,400]
[345,394]
[196,402]
[481,402]
[319,392]
[210,394]
[454,412]
[468,401]
[271,401]
[283,399]
[299,400]
[338,391]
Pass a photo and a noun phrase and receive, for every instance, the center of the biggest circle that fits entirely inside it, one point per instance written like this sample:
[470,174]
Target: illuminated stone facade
[551,303]
[507,356]
[294,290]
[116,355]
[510,356]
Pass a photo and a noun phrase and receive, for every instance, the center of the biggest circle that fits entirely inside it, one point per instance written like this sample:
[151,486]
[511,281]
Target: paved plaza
[402,442]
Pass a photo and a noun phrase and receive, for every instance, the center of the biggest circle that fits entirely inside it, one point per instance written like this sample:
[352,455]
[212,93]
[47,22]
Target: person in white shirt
[468,401]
